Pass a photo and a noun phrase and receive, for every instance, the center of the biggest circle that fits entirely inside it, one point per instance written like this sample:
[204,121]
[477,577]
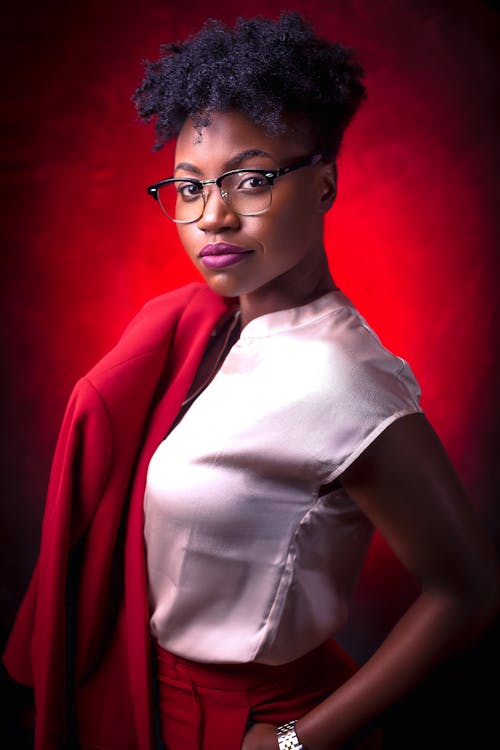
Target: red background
[412,240]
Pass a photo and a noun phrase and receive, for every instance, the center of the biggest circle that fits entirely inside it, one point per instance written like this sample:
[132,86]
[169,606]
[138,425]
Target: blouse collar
[294,317]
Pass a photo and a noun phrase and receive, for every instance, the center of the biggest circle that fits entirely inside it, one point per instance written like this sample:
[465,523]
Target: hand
[261,737]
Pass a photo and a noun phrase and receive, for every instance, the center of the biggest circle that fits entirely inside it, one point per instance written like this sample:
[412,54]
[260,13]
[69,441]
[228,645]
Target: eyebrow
[233,163]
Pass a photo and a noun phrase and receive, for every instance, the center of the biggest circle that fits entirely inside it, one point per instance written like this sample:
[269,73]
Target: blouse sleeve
[371,388]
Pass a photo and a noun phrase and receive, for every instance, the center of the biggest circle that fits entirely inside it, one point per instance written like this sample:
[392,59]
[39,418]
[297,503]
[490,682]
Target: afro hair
[265,69]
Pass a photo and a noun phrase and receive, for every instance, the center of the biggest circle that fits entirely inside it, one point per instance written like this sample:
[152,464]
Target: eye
[188,191]
[252,181]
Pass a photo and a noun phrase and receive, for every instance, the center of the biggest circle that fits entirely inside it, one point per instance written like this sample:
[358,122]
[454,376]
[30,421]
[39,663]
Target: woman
[218,474]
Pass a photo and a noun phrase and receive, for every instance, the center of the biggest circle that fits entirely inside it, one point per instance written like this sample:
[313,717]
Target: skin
[404,481]
[288,265]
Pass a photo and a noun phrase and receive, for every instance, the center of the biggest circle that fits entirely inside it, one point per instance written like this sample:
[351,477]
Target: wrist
[288,738]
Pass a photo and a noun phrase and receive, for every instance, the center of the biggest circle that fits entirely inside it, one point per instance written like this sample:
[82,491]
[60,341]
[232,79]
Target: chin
[227,283]
[223,285]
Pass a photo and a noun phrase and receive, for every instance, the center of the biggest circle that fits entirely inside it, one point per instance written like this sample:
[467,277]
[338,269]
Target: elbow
[471,601]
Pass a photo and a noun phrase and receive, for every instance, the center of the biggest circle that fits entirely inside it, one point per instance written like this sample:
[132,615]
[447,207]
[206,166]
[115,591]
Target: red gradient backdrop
[412,238]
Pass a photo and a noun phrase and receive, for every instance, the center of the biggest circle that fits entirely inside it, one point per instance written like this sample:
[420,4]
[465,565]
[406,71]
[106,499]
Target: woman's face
[283,247]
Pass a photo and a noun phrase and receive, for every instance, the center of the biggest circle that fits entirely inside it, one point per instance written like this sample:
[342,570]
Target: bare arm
[406,485]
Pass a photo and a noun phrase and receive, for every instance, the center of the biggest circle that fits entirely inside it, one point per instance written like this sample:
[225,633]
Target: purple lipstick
[222,254]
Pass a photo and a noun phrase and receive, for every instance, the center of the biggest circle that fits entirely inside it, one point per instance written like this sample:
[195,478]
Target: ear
[328,186]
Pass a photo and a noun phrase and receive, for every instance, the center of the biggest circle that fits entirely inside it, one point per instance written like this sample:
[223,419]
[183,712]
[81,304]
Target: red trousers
[207,707]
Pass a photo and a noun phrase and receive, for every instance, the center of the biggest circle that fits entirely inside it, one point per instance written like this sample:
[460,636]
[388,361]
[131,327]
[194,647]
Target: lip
[222,254]
[221,248]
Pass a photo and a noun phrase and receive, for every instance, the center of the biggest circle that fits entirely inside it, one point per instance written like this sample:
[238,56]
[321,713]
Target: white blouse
[246,561]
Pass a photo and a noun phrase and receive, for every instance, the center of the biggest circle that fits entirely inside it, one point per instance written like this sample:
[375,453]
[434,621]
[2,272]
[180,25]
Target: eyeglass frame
[270,174]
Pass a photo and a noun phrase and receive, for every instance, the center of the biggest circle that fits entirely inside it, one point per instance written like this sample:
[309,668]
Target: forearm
[432,628]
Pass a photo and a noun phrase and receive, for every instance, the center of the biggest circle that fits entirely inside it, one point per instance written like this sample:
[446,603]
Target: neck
[292,292]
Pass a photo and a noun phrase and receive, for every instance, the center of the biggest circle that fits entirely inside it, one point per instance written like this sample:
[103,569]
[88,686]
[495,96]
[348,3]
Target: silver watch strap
[287,737]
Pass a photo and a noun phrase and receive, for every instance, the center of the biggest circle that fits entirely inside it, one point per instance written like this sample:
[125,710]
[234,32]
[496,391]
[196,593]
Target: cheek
[291,224]
[187,236]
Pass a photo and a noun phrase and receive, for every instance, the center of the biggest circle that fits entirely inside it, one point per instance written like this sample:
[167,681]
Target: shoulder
[162,310]
[361,380]
[370,371]
[364,388]
[150,332]
[343,351]
[354,342]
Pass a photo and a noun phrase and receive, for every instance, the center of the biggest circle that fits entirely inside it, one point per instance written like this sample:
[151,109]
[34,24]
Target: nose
[217,215]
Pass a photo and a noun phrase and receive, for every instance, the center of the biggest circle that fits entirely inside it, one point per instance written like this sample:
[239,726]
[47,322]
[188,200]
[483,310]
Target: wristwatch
[287,737]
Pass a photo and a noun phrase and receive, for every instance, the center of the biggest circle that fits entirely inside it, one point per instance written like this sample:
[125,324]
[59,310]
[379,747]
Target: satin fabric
[247,560]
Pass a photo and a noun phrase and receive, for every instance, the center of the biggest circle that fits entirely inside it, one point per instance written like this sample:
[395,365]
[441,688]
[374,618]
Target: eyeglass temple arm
[309,162]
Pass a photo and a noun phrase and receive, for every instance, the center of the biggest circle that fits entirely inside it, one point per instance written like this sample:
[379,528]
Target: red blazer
[81,636]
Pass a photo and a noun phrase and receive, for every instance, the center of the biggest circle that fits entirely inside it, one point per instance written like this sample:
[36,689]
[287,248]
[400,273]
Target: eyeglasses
[248,192]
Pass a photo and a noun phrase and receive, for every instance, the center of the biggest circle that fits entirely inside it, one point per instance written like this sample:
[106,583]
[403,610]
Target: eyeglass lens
[247,193]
